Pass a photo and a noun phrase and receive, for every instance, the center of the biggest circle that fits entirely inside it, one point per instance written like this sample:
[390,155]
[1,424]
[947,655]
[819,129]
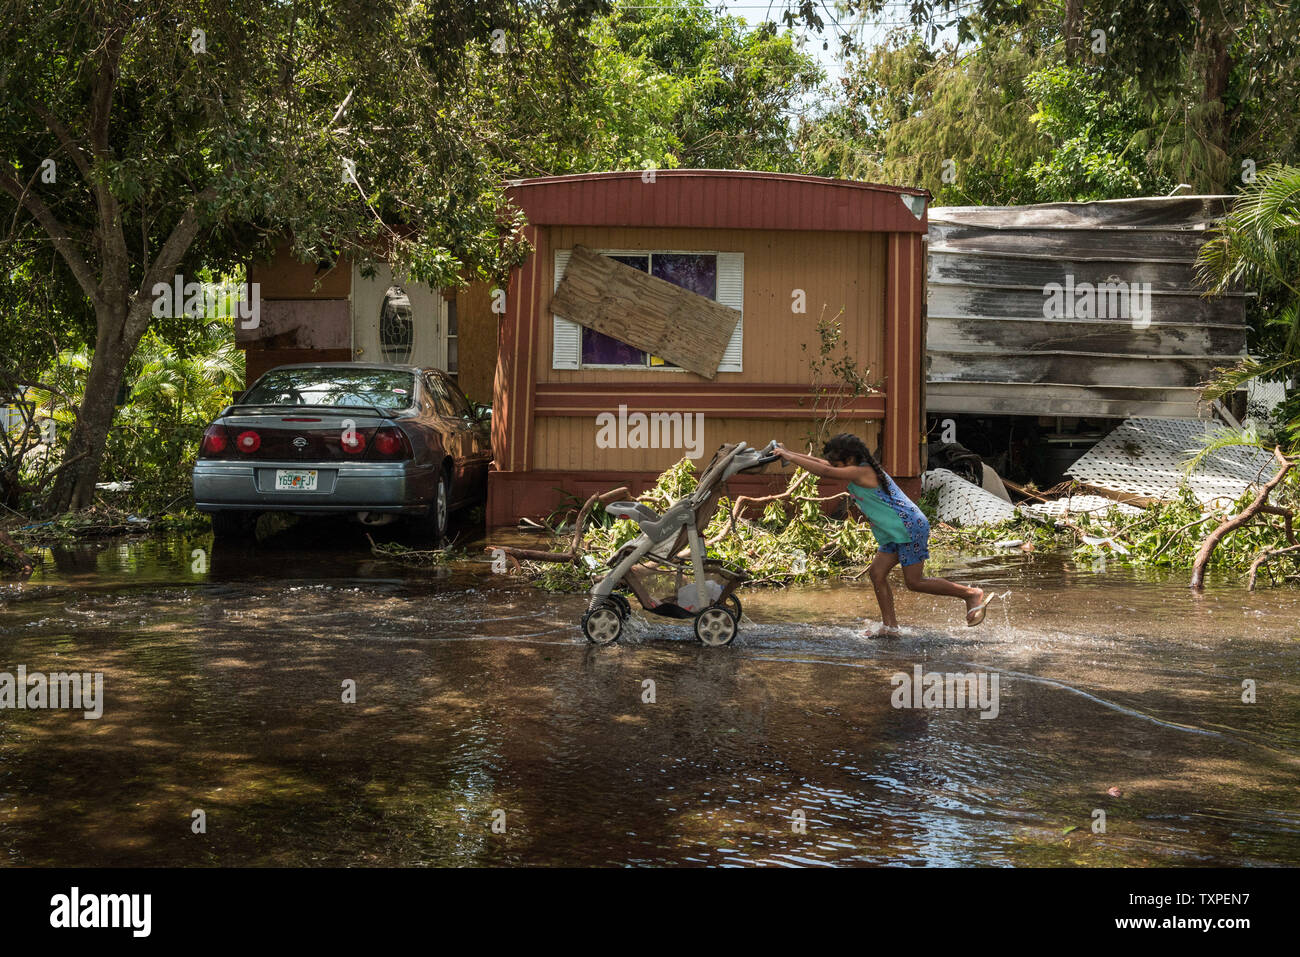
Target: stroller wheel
[733,604]
[624,606]
[602,626]
[715,626]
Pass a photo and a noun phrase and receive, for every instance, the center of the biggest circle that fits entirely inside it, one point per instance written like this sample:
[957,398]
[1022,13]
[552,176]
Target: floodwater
[485,730]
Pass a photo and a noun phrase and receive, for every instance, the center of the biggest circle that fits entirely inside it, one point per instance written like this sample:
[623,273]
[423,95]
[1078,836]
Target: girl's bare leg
[881,566]
[915,580]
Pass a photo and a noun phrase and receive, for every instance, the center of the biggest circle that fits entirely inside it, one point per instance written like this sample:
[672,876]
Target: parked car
[337,437]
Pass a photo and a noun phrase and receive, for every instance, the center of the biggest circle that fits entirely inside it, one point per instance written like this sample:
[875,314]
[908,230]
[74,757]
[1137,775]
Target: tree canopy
[147,138]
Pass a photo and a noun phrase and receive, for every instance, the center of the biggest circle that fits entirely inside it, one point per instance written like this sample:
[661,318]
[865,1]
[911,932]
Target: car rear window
[381,388]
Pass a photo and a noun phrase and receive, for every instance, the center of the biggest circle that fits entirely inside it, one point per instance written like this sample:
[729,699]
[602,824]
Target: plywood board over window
[648,313]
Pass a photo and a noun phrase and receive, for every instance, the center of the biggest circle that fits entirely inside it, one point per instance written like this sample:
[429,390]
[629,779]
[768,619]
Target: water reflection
[477,701]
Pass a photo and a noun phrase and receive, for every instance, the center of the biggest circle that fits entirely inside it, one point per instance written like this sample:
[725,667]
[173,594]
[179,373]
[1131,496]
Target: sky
[868,30]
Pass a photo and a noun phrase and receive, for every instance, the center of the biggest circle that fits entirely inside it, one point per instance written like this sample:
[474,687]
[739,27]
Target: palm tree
[1258,245]
[172,390]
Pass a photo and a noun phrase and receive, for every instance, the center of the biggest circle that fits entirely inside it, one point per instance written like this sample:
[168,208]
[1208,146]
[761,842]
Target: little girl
[900,529]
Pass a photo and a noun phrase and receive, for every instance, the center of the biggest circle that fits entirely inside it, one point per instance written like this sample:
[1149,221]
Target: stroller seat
[674,542]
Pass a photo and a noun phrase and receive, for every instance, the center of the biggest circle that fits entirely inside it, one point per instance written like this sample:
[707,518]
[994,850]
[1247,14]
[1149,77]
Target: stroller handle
[765,456]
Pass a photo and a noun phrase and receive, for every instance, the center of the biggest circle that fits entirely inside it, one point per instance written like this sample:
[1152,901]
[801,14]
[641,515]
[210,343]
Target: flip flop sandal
[976,614]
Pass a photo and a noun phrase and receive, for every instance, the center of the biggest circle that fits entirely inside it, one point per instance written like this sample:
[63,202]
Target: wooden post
[904,357]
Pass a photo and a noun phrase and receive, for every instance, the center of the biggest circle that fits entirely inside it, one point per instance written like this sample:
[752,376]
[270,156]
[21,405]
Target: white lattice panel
[1262,398]
[961,503]
[1081,505]
[1146,456]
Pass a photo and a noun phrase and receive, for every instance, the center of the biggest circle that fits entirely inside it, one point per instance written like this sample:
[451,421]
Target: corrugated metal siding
[992,349]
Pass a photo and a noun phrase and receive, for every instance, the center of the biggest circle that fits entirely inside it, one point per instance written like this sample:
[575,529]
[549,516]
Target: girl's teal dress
[897,524]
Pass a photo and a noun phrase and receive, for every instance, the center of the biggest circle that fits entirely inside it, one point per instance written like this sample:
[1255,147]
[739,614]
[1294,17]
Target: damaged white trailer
[1075,309]
[1054,324]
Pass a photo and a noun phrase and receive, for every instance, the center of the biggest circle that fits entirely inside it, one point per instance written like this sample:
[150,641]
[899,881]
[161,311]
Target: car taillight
[248,442]
[353,442]
[391,442]
[214,440]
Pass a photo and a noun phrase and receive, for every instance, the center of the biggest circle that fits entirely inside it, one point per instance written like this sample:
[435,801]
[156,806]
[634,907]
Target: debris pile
[776,539]
[960,502]
[1147,458]
[1134,498]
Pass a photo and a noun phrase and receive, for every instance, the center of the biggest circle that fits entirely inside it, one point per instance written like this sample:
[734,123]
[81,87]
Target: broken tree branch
[570,557]
[1237,521]
[1286,521]
[1267,555]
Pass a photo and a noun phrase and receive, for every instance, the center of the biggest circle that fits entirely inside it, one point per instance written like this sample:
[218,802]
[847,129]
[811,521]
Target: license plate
[295,480]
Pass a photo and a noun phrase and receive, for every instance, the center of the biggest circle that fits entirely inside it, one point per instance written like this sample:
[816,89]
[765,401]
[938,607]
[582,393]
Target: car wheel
[433,524]
[233,526]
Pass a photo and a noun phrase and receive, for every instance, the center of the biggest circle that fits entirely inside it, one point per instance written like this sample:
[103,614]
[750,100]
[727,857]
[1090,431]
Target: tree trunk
[1073,30]
[74,487]
[1212,47]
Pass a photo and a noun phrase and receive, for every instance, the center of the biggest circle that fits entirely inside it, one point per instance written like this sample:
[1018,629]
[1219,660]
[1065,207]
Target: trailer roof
[720,199]
[1147,212]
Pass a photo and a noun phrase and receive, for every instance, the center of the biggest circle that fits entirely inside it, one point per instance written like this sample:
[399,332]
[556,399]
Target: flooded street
[479,702]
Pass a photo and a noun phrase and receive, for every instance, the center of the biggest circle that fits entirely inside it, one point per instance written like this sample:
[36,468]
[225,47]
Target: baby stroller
[654,560]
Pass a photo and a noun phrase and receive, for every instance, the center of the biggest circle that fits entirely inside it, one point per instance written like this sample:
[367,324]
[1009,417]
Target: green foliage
[728,88]
[955,122]
[619,115]
[1030,105]
[1170,533]
[1166,534]
[674,85]
[173,392]
[1094,134]
[1002,123]
[1258,247]
[787,544]
[836,379]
